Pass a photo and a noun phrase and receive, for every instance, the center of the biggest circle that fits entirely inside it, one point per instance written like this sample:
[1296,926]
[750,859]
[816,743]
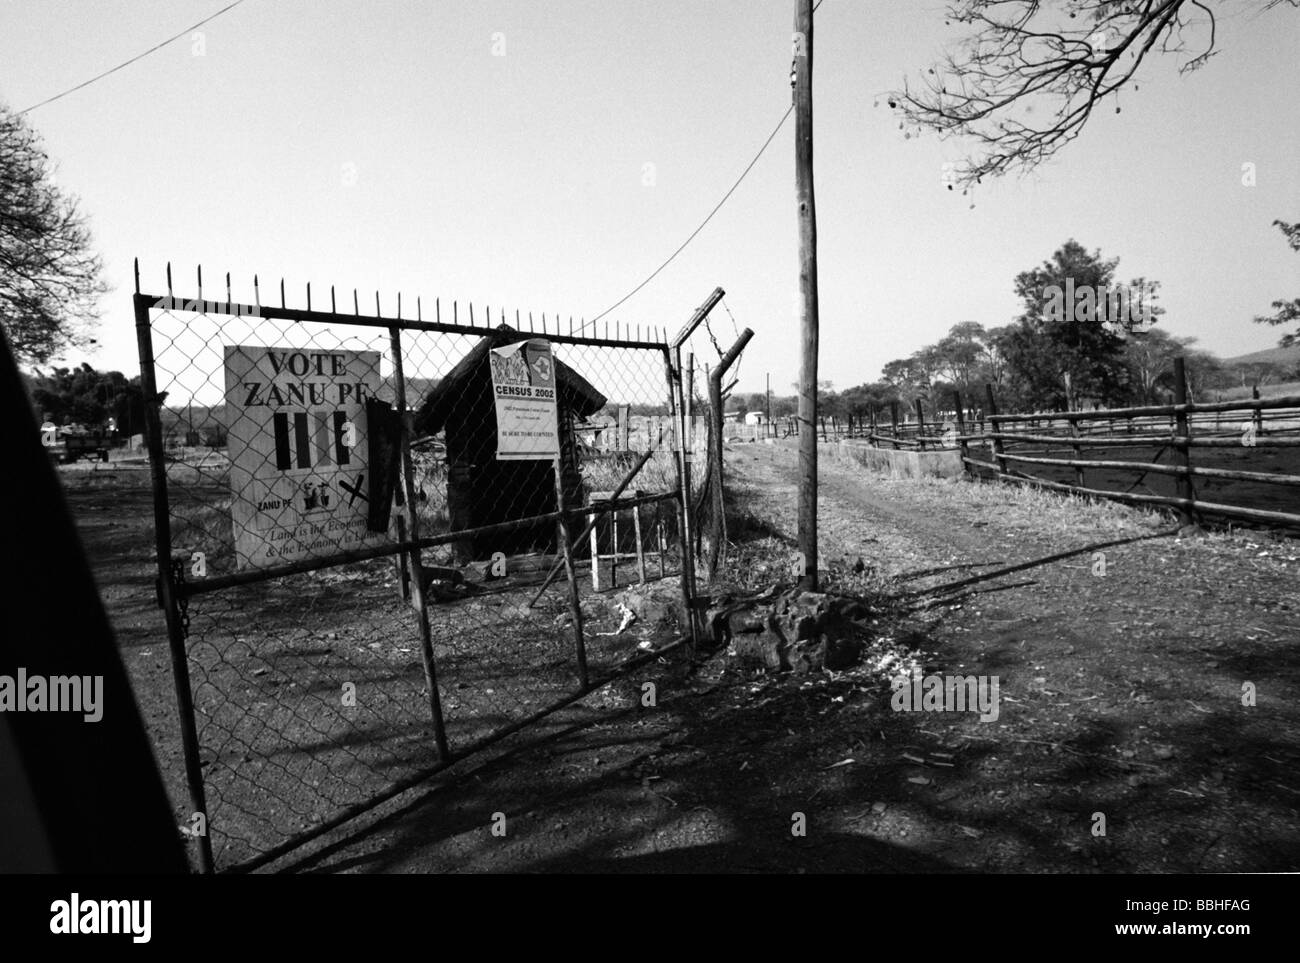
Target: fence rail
[1252,474]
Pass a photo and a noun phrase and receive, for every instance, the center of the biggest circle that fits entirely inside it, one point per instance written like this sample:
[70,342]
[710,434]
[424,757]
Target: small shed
[481,490]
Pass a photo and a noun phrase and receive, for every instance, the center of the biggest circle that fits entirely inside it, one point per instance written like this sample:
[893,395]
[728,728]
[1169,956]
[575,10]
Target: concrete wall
[945,463]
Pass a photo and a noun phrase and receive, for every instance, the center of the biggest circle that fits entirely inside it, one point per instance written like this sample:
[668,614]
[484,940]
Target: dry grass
[1031,506]
[1265,391]
[604,472]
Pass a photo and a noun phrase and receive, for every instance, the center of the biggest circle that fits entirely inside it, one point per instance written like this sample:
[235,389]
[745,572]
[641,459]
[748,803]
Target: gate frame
[174,592]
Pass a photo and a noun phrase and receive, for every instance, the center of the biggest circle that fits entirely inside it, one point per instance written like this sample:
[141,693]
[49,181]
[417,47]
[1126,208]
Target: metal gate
[320,669]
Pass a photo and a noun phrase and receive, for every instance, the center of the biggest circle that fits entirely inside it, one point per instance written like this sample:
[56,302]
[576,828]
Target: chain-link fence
[361,584]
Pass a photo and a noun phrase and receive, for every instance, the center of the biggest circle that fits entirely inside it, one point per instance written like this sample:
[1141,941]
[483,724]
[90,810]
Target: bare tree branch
[1057,59]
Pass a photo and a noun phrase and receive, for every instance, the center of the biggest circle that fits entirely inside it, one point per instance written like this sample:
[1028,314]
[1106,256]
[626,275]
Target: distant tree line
[1048,359]
[89,398]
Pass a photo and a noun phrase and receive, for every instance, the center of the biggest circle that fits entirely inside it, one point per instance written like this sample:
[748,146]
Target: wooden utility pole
[803,167]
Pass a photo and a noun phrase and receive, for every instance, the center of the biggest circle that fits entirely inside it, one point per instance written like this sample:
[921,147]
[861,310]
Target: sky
[547,155]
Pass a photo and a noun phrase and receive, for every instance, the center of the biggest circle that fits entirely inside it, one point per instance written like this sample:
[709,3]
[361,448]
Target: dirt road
[1121,694]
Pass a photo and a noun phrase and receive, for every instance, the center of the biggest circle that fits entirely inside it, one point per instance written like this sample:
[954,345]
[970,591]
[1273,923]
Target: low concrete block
[944,463]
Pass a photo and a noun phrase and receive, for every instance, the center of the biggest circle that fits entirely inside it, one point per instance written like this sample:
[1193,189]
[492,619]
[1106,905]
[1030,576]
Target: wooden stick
[1182,453]
[640,553]
[575,604]
[591,522]
[1078,472]
[659,533]
[413,520]
[992,404]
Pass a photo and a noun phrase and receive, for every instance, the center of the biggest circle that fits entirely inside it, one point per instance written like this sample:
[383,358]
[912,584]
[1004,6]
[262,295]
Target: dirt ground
[283,744]
[1121,695]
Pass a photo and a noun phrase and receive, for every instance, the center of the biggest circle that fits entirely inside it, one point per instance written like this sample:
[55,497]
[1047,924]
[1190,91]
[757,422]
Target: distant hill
[1287,356]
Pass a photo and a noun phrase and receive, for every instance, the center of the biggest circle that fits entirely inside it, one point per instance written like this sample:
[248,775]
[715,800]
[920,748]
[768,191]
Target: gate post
[673,374]
[171,595]
[413,529]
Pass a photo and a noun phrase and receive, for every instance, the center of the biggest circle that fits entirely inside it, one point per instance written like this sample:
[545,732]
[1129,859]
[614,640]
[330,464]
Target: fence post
[920,426]
[893,417]
[993,422]
[170,596]
[719,513]
[1078,451]
[873,435]
[1182,448]
[687,577]
[413,529]
[1259,412]
[961,430]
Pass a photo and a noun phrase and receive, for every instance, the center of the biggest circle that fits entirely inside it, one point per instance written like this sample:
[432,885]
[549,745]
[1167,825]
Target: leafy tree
[864,400]
[959,353]
[1059,358]
[746,402]
[832,404]
[1256,372]
[909,377]
[1150,361]
[49,277]
[993,358]
[783,406]
[965,359]
[1288,312]
[1205,373]
[84,396]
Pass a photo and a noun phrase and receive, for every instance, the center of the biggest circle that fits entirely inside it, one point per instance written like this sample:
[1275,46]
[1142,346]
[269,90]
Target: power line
[87,83]
[671,257]
[716,208]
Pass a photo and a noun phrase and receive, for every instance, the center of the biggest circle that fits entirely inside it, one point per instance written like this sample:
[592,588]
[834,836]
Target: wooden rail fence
[1266,428]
